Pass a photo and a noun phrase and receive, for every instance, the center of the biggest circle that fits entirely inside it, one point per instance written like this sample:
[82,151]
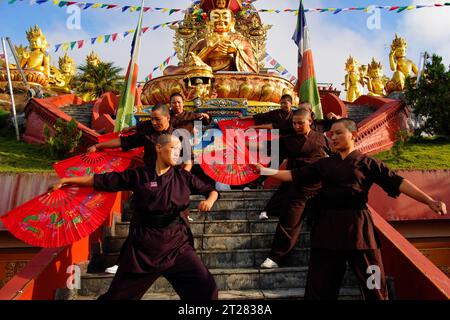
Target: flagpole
[125,110]
[11,92]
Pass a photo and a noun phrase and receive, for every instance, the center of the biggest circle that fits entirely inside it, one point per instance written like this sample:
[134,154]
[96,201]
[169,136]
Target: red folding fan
[60,217]
[94,162]
[244,125]
[230,163]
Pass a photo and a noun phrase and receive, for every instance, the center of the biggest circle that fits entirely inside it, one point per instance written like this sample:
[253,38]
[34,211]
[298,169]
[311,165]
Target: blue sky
[333,37]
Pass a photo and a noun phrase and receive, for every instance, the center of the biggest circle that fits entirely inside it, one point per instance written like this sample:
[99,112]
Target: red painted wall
[434,182]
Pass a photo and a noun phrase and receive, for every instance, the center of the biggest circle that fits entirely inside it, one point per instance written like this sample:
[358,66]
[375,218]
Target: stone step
[359,112]
[269,294]
[234,204]
[240,194]
[242,258]
[240,214]
[226,279]
[219,241]
[216,226]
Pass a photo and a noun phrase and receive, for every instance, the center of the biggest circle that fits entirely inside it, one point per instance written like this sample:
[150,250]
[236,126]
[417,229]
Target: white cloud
[332,39]
[427,29]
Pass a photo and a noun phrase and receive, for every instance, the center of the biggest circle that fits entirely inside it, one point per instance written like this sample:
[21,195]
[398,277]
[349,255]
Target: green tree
[93,81]
[431,98]
[64,141]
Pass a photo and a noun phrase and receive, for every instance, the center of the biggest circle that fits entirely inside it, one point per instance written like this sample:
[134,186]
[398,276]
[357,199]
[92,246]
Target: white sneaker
[269,264]
[190,219]
[112,269]
[263,216]
[247,188]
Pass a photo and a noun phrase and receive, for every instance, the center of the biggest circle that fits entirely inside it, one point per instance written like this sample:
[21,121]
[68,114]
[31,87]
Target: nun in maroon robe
[159,242]
[301,148]
[344,231]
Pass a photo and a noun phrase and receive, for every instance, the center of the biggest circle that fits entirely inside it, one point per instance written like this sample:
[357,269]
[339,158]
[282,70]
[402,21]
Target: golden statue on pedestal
[37,57]
[401,66]
[228,37]
[376,81]
[353,80]
[34,60]
[60,79]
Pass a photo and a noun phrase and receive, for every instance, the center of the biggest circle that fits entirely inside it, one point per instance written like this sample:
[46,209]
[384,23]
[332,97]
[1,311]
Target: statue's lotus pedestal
[225,85]
[33,77]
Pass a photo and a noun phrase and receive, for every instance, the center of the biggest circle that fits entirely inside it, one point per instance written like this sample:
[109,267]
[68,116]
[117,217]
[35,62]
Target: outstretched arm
[85,181]
[114,143]
[414,192]
[207,204]
[282,175]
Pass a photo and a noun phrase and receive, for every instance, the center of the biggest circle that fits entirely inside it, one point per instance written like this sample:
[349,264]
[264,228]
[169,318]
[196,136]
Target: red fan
[108,136]
[94,162]
[61,217]
[230,163]
[244,124]
[235,123]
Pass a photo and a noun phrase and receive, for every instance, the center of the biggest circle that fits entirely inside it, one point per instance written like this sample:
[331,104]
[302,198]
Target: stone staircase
[359,112]
[233,243]
[81,113]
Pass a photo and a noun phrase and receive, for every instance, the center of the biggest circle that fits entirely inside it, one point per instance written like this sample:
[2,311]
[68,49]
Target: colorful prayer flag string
[170,11]
[279,68]
[106,38]
[160,66]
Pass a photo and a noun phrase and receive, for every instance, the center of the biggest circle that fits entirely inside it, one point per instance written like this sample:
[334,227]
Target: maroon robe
[159,238]
[344,229]
[289,202]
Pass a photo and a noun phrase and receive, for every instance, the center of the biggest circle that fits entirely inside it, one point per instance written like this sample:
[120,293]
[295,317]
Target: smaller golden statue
[93,59]
[353,80]
[376,81]
[401,66]
[60,79]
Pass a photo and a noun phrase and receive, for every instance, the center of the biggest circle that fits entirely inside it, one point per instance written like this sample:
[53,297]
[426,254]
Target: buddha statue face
[399,47]
[66,65]
[400,52]
[92,59]
[375,69]
[222,20]
[351,65]
[36,39]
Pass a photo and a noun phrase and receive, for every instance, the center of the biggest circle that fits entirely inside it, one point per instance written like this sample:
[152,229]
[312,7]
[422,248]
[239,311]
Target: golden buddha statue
[353,80]
[376,80]
[222,48]
[92,59]
[36,58]
[60,79]
[401,66]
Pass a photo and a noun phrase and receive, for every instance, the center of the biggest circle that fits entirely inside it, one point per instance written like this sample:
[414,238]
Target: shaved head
[166,138]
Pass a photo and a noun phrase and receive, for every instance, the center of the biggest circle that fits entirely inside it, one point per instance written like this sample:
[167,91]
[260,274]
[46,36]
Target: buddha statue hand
[227,47]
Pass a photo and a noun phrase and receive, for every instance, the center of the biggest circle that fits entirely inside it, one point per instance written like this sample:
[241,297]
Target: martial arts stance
[344,230]
[303,147]
[159,240]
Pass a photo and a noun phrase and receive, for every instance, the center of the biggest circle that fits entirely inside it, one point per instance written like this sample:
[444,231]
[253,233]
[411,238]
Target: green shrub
[4,116]
[65,140]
